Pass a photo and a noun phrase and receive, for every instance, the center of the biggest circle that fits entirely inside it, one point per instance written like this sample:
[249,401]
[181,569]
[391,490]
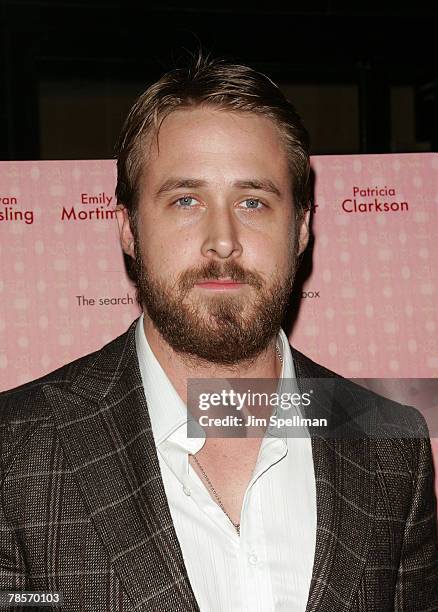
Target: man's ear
[126,235]
[303,233]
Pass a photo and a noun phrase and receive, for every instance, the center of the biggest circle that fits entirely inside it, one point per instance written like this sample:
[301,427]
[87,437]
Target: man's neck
[179,368]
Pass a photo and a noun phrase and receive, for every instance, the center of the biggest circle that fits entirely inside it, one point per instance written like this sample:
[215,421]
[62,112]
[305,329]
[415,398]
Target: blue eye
[185,202]
[254,204]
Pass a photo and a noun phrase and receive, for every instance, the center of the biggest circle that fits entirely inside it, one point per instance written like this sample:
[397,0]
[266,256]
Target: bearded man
[108,501]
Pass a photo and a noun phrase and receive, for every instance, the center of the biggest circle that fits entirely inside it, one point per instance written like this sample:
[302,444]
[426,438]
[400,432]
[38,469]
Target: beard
[224,328]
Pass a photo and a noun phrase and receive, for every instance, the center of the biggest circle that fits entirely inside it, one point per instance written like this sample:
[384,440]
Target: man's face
[215,203]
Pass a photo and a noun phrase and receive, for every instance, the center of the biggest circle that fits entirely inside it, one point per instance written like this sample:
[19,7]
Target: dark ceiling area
[70,69]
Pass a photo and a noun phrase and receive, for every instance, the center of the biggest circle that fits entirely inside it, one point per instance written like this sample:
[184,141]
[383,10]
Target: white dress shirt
[269,567]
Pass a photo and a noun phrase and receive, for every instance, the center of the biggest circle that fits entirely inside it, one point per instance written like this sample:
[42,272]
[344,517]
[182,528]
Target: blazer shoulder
[26,403]
[306,367]
[18,401]
[396,420]
[24,409]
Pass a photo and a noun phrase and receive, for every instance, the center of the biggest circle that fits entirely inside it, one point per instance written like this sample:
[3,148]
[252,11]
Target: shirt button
[186,490]
[253,559]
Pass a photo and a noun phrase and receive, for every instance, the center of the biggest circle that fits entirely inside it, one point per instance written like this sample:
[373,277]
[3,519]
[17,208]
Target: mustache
[214,270]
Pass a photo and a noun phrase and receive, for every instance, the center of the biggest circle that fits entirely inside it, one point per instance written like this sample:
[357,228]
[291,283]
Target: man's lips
[220,284]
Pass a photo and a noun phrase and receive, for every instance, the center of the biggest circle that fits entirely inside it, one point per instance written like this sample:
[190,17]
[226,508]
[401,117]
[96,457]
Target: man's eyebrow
[191,183]
[261,184]
[179,183]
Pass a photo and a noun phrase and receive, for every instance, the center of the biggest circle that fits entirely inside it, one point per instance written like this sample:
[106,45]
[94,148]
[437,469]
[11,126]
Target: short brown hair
[215,83]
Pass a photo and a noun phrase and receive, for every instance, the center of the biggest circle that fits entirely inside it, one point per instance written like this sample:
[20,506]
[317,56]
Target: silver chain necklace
[208,481]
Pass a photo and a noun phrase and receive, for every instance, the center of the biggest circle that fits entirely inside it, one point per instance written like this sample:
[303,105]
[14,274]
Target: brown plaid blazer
[84,512]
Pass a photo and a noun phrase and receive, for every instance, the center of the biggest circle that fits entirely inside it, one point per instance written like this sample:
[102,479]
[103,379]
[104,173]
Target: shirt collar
[167,412]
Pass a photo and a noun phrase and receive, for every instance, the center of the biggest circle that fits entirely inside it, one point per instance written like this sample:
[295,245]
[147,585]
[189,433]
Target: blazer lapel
[345,483]
[105,430]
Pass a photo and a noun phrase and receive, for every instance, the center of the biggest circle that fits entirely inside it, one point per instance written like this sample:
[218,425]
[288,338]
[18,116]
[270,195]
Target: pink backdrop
[369,309]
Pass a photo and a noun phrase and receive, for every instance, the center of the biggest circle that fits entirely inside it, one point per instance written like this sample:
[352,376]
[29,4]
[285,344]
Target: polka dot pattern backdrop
[374,272]
[368,309]
[63,288]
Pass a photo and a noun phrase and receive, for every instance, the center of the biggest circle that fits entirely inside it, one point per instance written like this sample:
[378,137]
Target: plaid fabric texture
[84,512]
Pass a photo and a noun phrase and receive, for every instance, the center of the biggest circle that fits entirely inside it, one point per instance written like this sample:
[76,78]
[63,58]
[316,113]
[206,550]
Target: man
[108,501]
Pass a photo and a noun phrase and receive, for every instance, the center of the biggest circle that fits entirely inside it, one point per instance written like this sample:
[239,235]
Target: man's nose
[221,234]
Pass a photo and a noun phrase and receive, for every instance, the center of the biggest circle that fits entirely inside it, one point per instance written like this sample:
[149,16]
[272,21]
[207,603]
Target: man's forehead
[190,154]
[210,123]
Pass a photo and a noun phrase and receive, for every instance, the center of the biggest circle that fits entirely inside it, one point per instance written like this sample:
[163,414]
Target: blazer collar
[104,427]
